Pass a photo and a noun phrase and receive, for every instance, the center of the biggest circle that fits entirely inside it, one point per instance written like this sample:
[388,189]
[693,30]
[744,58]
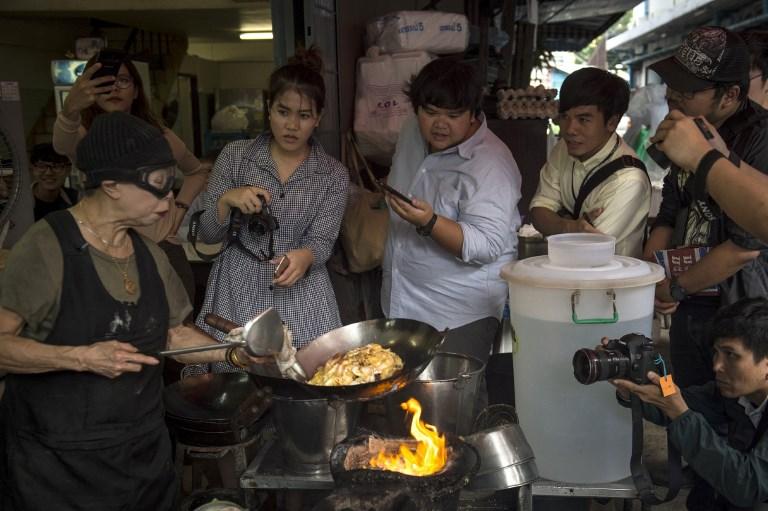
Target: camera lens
[590,366]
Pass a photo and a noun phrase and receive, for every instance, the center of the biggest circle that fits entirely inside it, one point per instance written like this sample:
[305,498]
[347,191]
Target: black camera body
[259,223]
[628,358]
[262,222]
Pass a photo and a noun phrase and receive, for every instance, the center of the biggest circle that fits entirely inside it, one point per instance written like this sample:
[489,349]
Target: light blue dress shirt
[477,185]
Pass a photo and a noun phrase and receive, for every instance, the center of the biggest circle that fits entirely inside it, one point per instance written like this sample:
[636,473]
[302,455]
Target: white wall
[235,75]
[207,72]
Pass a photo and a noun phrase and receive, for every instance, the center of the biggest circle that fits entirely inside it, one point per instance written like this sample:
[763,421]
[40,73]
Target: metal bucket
[447,391]
[307,431]
[507,460]
[530,247]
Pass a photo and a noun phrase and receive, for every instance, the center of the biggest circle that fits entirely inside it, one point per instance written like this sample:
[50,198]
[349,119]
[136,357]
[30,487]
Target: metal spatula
[262,336]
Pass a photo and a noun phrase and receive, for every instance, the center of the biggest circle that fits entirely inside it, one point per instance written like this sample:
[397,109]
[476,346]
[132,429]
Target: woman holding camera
[124,92]
[277,195]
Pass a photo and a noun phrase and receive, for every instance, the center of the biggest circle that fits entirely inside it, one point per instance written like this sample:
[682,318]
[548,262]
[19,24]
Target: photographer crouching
[719,427]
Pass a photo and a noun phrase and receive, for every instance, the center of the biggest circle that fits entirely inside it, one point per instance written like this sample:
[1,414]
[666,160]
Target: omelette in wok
[365,364]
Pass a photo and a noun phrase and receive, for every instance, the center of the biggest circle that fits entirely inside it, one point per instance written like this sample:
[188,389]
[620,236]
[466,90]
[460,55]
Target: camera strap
[600,176]
[640,474]
[194,228]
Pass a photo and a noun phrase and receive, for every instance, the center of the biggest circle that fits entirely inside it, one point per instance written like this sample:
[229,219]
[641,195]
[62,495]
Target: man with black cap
[84,301]
[709,77]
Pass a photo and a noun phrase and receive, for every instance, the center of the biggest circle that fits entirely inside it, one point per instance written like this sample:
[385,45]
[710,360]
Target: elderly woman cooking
[84,302]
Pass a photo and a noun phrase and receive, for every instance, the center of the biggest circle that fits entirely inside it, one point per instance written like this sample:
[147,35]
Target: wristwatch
[677,291]
[426,229]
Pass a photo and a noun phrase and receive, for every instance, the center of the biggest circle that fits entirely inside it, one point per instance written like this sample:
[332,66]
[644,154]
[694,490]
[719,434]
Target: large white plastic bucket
[579,434]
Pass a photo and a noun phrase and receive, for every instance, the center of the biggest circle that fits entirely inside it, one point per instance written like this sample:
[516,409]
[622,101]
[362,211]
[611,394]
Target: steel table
[266,473]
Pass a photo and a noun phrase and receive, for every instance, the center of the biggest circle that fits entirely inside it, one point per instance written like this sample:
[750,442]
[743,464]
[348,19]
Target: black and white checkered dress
[309,208]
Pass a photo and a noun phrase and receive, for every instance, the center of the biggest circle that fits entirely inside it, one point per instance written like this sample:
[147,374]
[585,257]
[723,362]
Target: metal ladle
[262,336]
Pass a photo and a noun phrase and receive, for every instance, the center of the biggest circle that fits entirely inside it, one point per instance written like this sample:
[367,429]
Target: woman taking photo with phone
[290,196]
[123,91]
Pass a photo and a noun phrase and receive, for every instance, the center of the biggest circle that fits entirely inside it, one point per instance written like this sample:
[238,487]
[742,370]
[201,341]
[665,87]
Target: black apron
[78,440]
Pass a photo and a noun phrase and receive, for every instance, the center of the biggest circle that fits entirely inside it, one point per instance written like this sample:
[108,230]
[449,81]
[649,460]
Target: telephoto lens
[630,357]
[590,366]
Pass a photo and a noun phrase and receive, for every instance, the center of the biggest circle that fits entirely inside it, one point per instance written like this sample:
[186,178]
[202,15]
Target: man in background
[593,181]
[446,247]
[49,173]
[719,427]
[757,42]
[709,77]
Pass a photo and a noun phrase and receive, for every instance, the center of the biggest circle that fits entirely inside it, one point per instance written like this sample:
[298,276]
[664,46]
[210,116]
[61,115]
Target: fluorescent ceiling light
[249,36]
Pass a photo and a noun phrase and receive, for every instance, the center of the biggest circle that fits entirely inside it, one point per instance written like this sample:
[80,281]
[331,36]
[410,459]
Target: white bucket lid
[621,272]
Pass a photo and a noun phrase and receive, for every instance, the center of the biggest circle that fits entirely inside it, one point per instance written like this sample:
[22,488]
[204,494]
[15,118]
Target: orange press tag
[667,386]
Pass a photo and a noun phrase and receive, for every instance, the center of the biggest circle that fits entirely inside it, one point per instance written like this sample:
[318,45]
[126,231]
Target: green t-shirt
[31,283]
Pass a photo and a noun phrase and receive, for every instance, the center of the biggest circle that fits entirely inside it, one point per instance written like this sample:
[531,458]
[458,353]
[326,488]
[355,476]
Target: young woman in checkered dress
[306,190]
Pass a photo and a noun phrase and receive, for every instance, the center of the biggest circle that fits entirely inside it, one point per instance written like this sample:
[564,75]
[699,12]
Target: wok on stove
[415,342]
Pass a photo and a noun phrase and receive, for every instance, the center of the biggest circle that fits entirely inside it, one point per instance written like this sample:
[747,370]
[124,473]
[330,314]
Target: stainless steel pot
[530,247]
[506,458]
[308,429]
[447,390]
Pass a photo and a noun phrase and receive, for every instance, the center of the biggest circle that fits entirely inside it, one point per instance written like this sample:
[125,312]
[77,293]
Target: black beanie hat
[117,145]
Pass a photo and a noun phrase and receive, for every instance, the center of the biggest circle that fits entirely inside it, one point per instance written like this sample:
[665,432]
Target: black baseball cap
[707,57]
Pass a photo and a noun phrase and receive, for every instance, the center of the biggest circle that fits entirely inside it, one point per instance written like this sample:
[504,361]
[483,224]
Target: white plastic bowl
[580,250]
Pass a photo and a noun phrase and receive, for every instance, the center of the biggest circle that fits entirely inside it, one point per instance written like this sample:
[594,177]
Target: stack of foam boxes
[399,45]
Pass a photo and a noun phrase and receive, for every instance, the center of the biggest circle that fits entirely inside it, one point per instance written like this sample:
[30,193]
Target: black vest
[69,409]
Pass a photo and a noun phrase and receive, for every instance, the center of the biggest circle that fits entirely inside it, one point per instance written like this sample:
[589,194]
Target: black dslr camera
[259,223]
[628,358]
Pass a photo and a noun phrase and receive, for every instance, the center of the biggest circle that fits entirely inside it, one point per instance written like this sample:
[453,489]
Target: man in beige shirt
[592,102]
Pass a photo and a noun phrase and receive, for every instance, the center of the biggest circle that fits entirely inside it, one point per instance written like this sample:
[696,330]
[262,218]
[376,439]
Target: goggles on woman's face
[159,182]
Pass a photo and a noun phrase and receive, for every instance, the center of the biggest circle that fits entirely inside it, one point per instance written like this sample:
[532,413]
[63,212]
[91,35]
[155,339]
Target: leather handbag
[366,219]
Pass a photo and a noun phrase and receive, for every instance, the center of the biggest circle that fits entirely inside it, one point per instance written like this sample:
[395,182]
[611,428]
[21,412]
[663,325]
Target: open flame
[429,456]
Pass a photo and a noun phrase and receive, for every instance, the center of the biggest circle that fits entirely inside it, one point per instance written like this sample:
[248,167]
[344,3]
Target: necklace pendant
[129,285]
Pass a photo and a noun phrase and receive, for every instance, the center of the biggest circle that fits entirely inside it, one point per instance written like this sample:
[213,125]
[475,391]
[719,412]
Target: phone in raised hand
[110,61]
[661,159]
[397,194]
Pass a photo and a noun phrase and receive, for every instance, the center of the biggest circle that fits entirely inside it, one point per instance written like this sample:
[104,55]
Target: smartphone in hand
[661,159]
[703,128]
[110,61]
[397,194]
[282,265]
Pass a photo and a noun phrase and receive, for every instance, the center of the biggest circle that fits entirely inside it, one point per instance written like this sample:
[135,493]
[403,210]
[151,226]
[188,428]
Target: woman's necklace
[128,283]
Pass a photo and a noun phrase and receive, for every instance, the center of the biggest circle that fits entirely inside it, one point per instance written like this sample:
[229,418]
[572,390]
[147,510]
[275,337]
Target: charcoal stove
[215,409]
[216,417]
[361,488]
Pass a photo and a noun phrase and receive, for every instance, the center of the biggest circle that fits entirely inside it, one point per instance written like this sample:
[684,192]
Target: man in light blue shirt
[445,250]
